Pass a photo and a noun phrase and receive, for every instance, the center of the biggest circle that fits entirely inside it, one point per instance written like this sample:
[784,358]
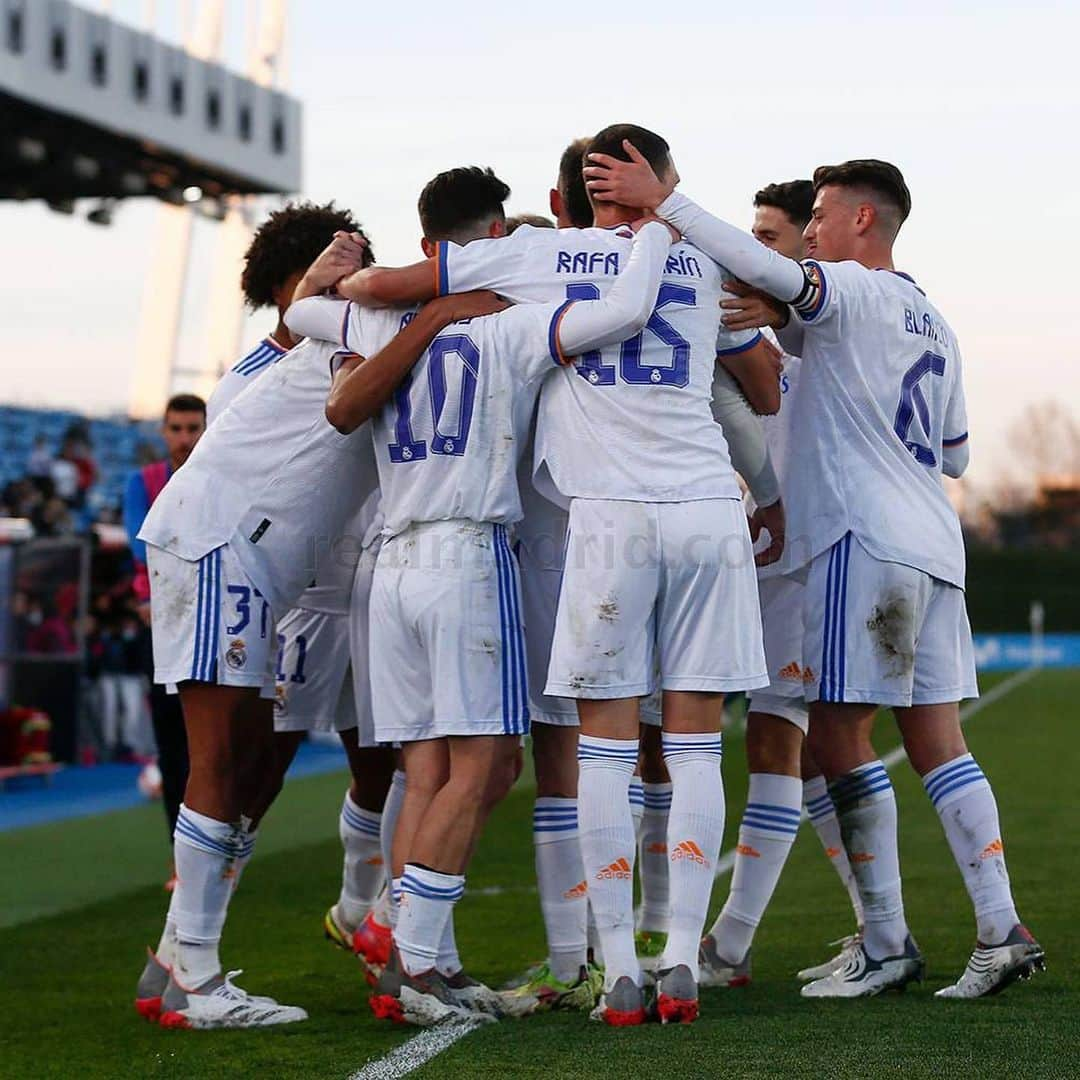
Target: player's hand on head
[773,520]
[342,256]
[646,218]
[750,309]
[629,183]
[470,305]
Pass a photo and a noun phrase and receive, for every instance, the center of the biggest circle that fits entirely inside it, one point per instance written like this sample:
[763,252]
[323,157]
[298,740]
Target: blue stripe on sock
[960,782]
[768,824]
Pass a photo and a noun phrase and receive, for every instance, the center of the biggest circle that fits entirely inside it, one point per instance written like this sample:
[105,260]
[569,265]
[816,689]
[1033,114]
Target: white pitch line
[726,863]
[420,1049]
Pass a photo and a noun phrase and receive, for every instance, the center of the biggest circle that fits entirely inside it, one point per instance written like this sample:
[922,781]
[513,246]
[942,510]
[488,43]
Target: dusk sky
[974,102]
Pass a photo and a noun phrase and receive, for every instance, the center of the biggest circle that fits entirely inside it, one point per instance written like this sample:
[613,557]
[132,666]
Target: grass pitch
[80,899]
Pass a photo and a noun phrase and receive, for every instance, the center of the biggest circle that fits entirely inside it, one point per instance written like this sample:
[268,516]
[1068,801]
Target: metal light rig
[90,108]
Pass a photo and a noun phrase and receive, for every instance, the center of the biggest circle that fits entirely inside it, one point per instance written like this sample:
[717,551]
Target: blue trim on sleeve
[444,270]
[744,347]
[955,442]
[554,348]
[345,325]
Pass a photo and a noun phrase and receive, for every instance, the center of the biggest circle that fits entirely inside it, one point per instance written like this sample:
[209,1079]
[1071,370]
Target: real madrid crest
[236,657]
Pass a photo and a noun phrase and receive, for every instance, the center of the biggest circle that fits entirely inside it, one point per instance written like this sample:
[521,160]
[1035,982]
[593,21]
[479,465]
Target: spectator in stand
[41,459]
[76,450]
[183,425]
[64,474]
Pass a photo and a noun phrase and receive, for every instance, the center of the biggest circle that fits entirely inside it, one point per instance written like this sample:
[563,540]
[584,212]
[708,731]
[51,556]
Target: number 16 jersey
[633,421]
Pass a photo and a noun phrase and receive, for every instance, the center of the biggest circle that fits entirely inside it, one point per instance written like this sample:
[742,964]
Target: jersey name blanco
[881,393]
[448,442]
[632,421]
[272,478]
[241,375]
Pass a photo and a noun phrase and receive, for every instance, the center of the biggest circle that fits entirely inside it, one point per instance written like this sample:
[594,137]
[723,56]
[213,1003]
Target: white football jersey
[273,479]
[778,438]
[241,375]
[632,421]
[881,393]
[331,589]
[448,442]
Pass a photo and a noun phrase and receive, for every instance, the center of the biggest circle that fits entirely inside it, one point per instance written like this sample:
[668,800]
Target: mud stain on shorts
[608,608]
[892,627]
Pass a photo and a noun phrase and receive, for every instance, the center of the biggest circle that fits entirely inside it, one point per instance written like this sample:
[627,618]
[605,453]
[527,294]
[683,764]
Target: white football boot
[993,967]
[220,1003]
[848,945]
[863,976]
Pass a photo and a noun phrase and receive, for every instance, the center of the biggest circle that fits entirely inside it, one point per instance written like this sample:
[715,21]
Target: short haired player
[880,418]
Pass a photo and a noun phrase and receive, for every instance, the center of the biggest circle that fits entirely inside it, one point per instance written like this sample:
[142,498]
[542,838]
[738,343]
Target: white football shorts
[648,587]
[210,624]
[314,677]
[782,627]
[884,633]
[447,648]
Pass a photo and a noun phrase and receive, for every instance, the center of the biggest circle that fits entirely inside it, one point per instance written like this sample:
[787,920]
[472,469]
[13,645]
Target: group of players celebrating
[499,486]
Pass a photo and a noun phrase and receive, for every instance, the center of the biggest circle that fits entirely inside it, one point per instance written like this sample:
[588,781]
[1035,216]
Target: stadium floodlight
[31,150]
[192,193]
[86,168]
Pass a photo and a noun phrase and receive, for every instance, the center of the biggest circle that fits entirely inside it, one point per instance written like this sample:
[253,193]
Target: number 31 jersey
[881,394]
[634,421]
[448,442]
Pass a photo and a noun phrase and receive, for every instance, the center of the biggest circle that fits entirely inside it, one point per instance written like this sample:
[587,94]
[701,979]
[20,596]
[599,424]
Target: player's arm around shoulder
[362,385]
[756,367]
[579,326]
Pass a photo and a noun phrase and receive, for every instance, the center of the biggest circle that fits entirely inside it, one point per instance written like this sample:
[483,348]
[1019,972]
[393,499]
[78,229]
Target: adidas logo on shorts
[619,870]
[577,892]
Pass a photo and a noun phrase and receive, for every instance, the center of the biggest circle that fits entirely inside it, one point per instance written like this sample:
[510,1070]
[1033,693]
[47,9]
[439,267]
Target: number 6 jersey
[881,395]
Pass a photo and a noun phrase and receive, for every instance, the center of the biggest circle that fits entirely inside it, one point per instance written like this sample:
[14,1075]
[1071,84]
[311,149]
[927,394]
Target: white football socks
[607,847]
[247,849]
[206,853]
[560,877]
[448,963]
[866,809]
[695,832]
[653,859]
[636,794]
[819,807]
[769,826]
[426,905]
[391,810]
[395,901]
[965,802]
[362,873]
